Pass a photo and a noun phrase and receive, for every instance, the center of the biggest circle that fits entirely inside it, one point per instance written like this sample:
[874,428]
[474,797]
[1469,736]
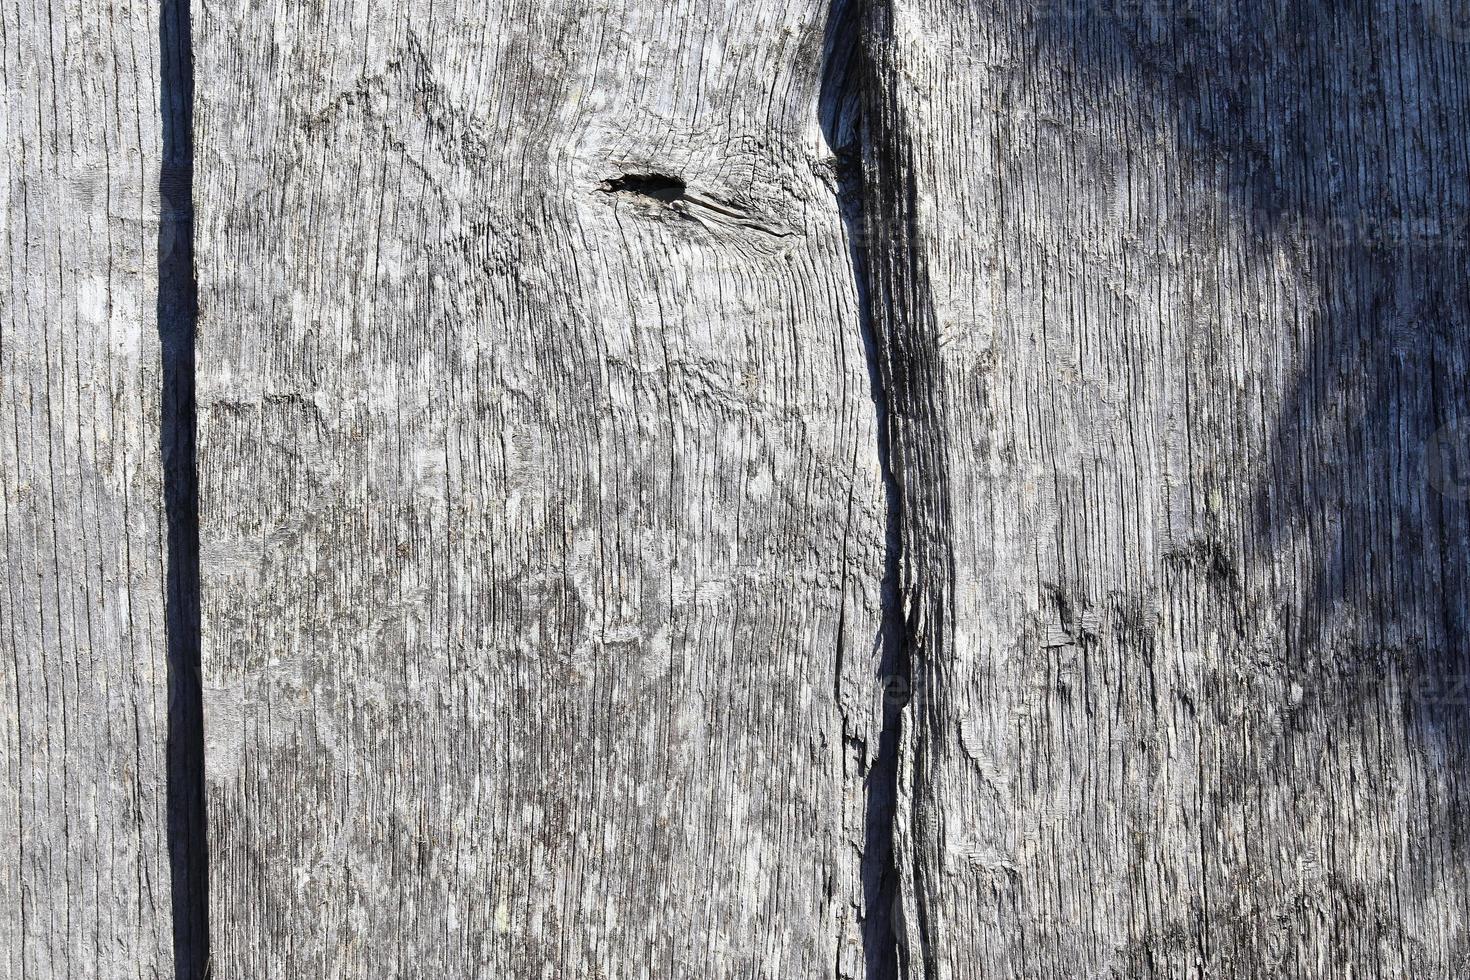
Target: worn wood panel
[543,521]
[85,884]
[1173,307]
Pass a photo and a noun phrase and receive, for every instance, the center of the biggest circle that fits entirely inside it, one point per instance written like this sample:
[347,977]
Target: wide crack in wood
[839,108]
[177,312]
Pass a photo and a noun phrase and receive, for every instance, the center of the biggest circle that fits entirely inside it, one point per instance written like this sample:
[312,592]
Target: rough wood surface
[85,880]
[1173,308]
[543,517]
[600,401]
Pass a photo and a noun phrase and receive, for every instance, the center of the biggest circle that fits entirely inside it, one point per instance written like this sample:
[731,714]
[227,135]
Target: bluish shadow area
[177,313]
[1335,132]
[1334,137]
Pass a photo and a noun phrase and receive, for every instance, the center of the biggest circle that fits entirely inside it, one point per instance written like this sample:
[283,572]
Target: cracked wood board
[85,884]
[542,514]
[1174,322]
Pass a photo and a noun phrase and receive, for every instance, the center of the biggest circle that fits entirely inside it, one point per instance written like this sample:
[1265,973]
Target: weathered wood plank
[1174,314]
[543,524]
[85,884]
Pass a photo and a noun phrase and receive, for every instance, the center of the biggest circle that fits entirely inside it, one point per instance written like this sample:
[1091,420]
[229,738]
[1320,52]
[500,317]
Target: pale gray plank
[543,523]
[85,884]
[1174,306]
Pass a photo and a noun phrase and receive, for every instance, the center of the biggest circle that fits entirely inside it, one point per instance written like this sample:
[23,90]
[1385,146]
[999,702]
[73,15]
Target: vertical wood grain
[543,521]
[1174,315]
[85,883]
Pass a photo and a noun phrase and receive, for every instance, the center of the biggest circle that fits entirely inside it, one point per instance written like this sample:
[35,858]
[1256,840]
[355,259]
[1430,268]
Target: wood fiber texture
[85,880]
[1172,305]
[543,518]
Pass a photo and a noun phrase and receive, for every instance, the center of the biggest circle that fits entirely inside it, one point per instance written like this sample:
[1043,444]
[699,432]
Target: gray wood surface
[911,489]
[1173,306]
[85,881]
[543,517]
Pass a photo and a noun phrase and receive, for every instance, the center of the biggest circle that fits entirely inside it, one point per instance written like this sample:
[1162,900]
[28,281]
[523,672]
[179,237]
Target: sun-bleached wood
[1173,310]
[543,516]
[85,879]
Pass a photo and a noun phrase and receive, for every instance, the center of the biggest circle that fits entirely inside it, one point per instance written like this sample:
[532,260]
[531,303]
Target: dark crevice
[672,193]
[657,187]
[840,108]
[177,313]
